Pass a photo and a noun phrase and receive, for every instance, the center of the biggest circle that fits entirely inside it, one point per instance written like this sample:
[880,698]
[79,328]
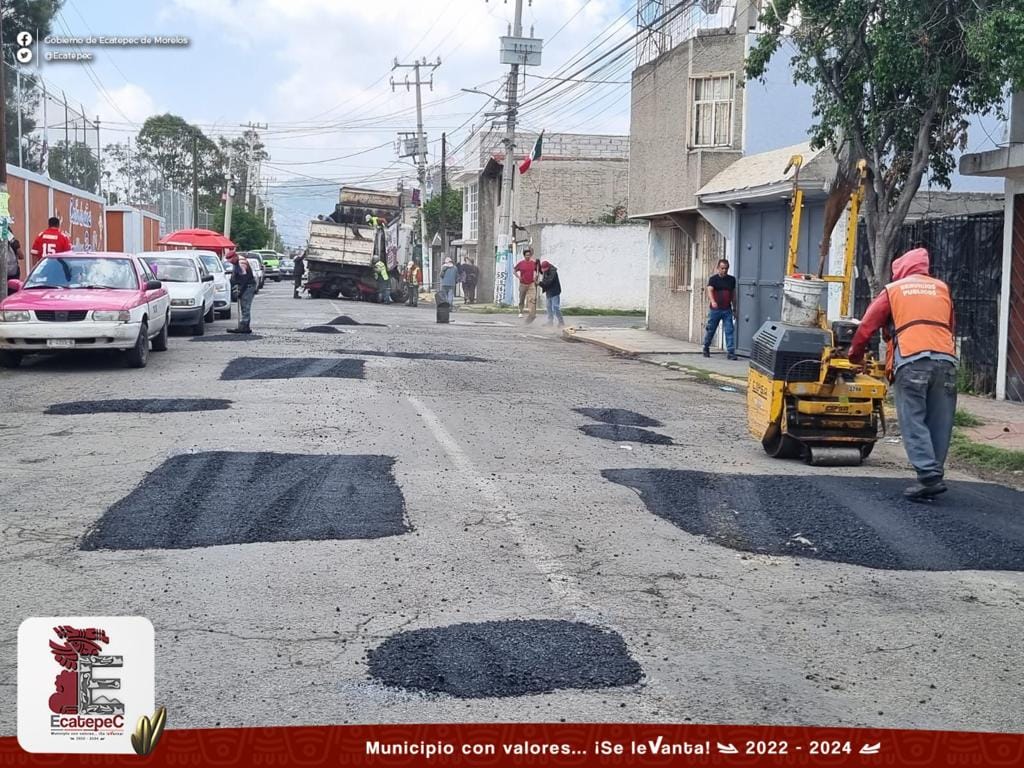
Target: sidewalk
[1003,425]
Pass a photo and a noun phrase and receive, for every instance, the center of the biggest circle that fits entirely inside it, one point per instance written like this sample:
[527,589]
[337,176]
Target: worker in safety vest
[380,271]
[916,313]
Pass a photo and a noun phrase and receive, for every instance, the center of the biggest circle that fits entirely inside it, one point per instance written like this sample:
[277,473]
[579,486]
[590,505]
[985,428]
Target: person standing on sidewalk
[552,287]
[449,277]
[413,281]
[299,271]
[526,271]
[50,241]
[470,277]
[721,292]
[916,311]
[244,280]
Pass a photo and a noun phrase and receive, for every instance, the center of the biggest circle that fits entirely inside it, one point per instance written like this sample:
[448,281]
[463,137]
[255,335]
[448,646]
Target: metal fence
[967,254]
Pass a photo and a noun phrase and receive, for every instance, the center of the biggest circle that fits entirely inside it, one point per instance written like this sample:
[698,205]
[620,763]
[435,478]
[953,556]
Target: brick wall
[571,191]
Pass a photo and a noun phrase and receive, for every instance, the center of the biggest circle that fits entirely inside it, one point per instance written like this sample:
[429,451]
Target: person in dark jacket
[470,277]
[244,280]
[298,272]
[552,287]
[14,255]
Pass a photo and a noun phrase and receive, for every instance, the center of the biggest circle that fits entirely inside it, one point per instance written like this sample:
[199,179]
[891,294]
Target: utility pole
[67,139]
[506,237]
[228,192]
[444,202]
[99,159]
[5,214]
[421,153]
[17,87]
[250,141]
[195,179]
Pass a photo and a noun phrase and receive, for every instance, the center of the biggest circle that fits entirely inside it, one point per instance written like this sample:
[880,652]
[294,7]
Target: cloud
[133,101]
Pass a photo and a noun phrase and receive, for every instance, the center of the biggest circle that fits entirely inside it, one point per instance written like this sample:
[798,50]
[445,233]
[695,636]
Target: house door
[1015,345]
[761,254]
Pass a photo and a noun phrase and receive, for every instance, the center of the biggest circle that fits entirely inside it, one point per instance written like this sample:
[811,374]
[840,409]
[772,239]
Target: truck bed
[340,243]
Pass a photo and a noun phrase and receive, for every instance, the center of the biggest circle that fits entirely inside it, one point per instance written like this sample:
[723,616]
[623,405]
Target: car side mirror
[152,285]
[207,278]
[13,286]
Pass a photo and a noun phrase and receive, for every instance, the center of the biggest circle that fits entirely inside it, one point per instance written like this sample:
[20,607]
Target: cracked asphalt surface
[511,520]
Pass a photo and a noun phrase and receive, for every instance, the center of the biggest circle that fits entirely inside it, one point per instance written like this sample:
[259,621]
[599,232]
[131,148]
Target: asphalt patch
[229,337]
[624,434]
[321,329]
[415,355]
[855,520]
[619,416]
[210,499]
[504,658]
[247,368]
[149,405]
[346,320]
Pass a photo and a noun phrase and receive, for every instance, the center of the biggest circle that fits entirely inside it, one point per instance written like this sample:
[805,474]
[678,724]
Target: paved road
[359,536]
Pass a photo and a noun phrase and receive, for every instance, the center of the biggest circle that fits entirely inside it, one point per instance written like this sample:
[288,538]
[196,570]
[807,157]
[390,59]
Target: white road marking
[562,583]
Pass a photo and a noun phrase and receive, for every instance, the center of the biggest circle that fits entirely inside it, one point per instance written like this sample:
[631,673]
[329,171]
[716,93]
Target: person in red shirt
[50,241]
[528,273]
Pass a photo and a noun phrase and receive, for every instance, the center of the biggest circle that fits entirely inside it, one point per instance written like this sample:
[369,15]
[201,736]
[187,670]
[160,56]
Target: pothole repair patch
[415,355]
[228,337]
[619,416]
[856,520]
[210,499]
[346,320]
[623,434]
[504,658]
[245,368]
[151,405]
[321,329]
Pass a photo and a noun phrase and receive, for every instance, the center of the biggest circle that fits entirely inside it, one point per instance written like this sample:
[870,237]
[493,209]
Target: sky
[318,74]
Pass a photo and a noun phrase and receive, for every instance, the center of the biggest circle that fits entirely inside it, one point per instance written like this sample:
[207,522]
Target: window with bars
[711,110]
[470,212]
[680,252]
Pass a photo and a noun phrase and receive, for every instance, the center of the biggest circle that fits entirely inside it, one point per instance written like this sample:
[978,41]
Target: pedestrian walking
[242,279]
[470,278]
[298,273]
[380,271]
[527,272]
[721,293]
[916,312]
[552,287]
[449,276]
[50,241]
[14,256]
[413,281]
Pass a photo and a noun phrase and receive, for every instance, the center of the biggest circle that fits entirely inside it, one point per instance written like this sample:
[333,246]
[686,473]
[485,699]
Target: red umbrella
[198,238]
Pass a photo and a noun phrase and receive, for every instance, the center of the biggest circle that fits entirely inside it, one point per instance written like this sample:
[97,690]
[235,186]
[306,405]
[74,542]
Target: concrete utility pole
[250,140]
[5,215]
[421,154]
[444,203]
[508,168]
[228,193]
[195,179]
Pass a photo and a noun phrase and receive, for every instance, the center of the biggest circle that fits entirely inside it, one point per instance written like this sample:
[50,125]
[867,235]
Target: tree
[35,16]
[242,153]
[165,143]
[895,82]
[452,212]
[247,230]
[74,164]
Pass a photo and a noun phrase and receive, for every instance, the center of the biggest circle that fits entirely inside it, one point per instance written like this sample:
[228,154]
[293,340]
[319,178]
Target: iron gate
[966,253]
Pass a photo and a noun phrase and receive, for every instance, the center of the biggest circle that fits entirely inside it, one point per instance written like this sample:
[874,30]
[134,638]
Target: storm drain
[209,499]
[151,405]
[619,416]
[228,337]
[245,368]
[856,520]
[504,658]
[623,434]
[415,355]
[346,320]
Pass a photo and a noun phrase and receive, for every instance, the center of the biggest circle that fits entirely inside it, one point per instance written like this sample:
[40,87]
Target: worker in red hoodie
[50,241]
[915,312]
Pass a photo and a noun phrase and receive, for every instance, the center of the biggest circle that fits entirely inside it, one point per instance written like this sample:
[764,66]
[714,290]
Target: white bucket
[802,299]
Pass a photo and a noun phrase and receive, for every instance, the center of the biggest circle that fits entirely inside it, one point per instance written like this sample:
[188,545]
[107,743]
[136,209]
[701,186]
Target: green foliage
[894,83]
[964,418]
[247,229]
[74,164]
[985,457]
[452,209]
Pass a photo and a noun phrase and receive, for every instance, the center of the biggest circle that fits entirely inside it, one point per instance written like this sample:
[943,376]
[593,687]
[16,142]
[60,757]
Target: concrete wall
[599,266]
[571,191]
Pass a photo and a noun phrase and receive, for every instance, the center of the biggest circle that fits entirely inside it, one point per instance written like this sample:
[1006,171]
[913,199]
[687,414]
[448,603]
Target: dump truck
[343,246]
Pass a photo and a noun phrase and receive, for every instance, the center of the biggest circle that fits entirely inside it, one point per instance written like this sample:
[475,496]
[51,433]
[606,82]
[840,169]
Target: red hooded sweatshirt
[879,314]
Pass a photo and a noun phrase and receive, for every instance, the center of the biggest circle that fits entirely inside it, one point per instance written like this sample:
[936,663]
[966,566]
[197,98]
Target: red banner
[552,744]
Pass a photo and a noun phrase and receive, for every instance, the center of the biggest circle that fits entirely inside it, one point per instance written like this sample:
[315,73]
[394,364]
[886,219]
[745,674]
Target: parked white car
[221,283]
[256,262]
[189,284]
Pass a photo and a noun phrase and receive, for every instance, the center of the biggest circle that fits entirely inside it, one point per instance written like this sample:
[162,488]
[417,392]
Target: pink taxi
[76,301]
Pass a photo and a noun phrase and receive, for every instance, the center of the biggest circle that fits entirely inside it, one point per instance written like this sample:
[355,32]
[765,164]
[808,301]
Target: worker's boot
[245,328]
[707,352]
[237,329]
[924,491]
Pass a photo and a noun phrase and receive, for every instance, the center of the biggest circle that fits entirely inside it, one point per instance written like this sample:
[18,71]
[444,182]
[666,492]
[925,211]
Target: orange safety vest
[922,318]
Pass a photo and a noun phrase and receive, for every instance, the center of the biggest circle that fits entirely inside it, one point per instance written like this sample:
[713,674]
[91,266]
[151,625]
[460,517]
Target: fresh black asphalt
[624,434]
[321,329]
[441,356]
[619,416]
[856,520]
[246,368]
[504,658]
[228,337]
[147,405]
[346,320]
[209,499]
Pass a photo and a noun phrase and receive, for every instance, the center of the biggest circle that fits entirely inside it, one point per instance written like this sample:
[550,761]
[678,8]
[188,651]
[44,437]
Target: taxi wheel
[160,340]
[138,355]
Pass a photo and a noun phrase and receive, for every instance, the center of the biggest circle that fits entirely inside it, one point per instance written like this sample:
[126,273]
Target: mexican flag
[534,154]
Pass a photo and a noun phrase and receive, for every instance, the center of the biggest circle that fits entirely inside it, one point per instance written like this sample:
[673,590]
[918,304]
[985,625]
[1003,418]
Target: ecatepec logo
[83,683]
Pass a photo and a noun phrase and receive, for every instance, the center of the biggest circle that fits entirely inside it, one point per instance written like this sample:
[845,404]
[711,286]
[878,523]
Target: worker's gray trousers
[926,404]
